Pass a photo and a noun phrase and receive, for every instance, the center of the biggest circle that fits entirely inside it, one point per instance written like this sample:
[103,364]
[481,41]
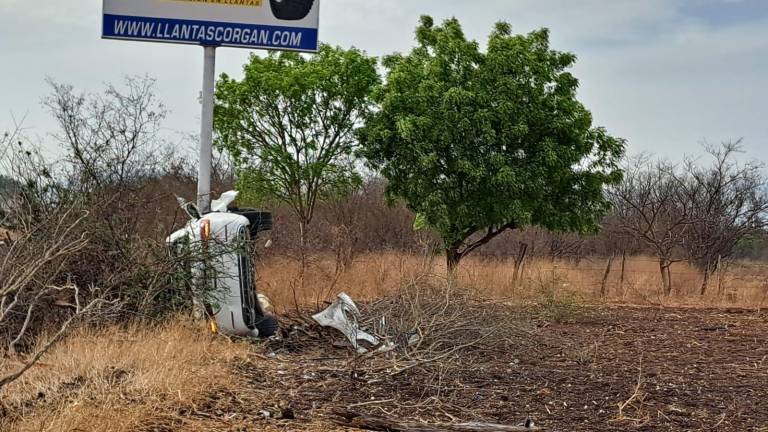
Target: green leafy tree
[290,124]
[477,143]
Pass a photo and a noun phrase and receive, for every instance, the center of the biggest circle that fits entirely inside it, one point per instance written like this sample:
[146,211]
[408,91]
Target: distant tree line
[698,211]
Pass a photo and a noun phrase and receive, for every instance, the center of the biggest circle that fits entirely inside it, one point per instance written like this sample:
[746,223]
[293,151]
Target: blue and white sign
[265,24]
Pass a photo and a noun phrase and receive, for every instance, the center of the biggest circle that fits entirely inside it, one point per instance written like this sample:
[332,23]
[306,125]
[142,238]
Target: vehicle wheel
[291,9]
[268,326]
[260,221]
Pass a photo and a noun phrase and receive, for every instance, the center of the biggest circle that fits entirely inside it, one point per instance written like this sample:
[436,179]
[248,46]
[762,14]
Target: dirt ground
[604,369]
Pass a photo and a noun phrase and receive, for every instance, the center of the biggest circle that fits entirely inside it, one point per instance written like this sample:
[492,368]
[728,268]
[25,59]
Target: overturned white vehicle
[214,255]
[214,250]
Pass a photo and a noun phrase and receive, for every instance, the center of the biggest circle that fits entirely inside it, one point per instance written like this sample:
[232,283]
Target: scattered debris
[343,315]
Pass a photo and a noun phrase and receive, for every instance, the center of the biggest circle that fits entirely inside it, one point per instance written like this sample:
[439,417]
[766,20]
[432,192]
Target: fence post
[623,268]
[719,275]
[519,263]
[604,284]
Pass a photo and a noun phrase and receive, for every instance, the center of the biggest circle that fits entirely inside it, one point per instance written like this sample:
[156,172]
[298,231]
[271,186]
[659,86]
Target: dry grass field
[561,354]
[118,379]
[740,284]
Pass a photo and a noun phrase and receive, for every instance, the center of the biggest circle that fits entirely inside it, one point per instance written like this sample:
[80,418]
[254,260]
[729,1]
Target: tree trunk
[458,249]
[666,276]
[519,261]
[719,271]
[707,274]
[452,259]
[302,263]
[303,233]
[705,282]
[669,278]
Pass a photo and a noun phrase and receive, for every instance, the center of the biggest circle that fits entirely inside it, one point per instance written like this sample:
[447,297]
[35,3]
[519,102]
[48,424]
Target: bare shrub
[692,211]
[36,292]
[438,326]
[649,206]
[115,165]
[85,231]
[729,200]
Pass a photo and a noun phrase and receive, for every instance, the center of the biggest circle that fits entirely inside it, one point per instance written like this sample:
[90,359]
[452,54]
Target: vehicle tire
[260,221]
[268,326]
[291,10]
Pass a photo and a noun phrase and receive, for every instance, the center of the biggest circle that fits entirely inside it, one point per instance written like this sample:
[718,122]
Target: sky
[667,75]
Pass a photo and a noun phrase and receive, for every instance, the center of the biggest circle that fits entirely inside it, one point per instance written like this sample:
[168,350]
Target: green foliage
[487,141]
[289,124]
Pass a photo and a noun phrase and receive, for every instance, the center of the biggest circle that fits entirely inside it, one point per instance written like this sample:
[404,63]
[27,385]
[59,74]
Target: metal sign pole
[282,25]
[206,131]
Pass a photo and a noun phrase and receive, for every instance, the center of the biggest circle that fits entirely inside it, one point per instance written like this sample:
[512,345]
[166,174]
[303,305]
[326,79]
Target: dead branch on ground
[376,423]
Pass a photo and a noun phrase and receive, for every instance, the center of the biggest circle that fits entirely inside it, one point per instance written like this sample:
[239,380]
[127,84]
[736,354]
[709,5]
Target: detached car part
[343,315]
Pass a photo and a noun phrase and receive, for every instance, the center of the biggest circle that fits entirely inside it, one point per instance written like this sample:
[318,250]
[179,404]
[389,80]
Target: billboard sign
[257,24]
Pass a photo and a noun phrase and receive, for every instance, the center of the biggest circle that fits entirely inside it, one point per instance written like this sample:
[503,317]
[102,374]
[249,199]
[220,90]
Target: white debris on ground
[343,315]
